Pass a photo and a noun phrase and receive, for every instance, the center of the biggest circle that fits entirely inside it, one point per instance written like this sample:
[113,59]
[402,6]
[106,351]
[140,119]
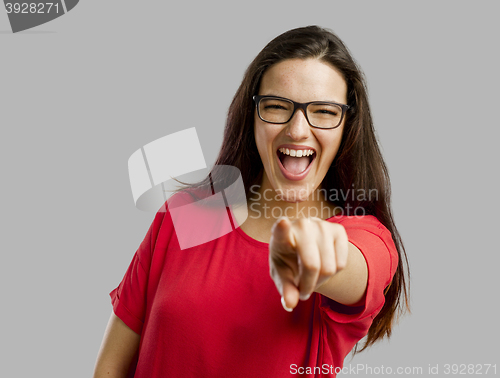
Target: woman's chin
[287,190]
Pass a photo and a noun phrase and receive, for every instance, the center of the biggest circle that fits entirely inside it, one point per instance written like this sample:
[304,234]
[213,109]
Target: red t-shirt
[213,310]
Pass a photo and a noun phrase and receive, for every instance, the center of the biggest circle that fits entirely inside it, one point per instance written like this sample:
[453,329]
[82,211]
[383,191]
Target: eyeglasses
[319,114]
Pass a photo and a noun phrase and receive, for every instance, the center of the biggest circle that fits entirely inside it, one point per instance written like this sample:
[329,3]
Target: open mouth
[295,162]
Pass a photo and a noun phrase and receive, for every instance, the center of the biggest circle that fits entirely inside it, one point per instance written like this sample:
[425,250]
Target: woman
[300,132]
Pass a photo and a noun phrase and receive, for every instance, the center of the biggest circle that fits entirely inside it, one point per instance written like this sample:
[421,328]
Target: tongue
[295,165]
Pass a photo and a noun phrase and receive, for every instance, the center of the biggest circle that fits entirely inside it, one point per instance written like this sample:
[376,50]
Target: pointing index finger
[282,232]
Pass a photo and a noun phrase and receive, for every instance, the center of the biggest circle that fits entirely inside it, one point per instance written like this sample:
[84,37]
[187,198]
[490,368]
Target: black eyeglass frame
[303,106]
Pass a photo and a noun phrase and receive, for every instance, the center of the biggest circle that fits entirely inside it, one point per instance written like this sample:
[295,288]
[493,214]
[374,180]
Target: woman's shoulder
[368,230]
[197,216]
[368,222]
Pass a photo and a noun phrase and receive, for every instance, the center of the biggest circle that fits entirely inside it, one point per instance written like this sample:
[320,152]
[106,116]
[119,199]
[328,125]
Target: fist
[303,255]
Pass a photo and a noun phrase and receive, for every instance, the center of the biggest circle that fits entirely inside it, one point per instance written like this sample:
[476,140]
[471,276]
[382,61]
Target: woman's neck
[266,206]
[294,202]
[269,203]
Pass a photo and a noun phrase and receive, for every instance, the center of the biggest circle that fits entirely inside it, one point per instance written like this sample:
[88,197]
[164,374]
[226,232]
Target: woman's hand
[304,255]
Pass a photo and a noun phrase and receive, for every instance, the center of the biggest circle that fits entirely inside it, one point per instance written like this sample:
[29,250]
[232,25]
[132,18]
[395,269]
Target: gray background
[80,94]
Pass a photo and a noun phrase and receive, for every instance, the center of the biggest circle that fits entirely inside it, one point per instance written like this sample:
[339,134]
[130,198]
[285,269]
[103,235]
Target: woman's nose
[298,128]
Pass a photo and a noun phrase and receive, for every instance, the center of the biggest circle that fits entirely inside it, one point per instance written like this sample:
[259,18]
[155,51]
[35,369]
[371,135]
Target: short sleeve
[377,246]
[129,298]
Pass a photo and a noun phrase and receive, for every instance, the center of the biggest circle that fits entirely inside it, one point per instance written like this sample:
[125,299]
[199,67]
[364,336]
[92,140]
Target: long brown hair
[357,166]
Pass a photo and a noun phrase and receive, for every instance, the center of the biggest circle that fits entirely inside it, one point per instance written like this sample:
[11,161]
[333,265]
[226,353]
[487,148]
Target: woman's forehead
[304,80]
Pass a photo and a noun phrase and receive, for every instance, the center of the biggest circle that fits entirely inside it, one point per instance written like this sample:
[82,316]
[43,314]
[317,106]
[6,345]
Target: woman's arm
[348,286]
[118,348]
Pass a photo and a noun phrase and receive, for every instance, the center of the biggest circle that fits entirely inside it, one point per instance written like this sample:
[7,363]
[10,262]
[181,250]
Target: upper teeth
[296,153]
